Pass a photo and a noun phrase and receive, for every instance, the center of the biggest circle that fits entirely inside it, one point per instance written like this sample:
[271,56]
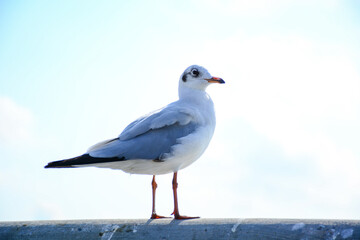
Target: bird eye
[195,72]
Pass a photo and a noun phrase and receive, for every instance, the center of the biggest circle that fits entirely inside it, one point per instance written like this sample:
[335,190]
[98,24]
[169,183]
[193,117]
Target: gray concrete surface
[183,229]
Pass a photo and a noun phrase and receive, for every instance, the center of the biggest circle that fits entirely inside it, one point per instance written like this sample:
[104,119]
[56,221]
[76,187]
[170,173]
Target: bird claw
[155,216]
[185,217]
[180,217]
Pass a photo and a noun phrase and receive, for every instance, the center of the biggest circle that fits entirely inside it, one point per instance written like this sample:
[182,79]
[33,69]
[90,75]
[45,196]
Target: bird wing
[149,137]
[155,120]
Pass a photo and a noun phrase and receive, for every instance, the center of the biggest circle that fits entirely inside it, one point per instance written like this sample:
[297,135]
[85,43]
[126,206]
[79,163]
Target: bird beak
[215,80]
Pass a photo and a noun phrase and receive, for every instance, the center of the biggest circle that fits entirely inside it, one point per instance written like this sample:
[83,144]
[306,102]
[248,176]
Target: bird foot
[178,216]
[155,216]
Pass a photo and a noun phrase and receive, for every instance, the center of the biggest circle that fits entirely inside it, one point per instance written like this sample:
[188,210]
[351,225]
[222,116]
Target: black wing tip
[58,164]
[84,160]
[66,163]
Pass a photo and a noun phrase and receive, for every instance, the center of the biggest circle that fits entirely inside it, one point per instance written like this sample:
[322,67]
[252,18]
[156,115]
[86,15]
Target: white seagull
[164,141]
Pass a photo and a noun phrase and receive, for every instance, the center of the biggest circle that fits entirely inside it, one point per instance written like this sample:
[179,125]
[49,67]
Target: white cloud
[286,84]
[16,122]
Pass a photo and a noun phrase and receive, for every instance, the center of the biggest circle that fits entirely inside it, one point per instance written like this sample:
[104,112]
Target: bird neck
[192,94]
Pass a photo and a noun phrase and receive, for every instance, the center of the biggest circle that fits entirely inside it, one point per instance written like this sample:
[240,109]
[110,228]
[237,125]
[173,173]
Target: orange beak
[215,80]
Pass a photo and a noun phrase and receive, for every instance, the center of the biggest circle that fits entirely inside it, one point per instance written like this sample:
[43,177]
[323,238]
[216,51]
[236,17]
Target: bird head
[197,77]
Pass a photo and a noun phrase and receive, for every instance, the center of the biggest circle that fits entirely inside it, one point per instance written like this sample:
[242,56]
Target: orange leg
[154,186]
[176,206]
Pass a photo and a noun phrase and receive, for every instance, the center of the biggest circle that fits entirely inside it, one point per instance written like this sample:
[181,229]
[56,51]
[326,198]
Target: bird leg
[176,206]
[154,186]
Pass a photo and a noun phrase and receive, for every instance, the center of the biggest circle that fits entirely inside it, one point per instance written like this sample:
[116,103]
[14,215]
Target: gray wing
[148,137]
[158,119]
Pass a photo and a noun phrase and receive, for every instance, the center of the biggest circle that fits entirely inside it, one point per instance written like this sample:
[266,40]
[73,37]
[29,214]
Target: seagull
[163,141]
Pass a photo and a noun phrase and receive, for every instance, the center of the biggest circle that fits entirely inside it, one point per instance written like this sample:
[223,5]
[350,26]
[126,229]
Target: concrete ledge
[183,229]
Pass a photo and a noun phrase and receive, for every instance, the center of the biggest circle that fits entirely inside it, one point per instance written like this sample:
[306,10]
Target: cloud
[297,93]
[16,122]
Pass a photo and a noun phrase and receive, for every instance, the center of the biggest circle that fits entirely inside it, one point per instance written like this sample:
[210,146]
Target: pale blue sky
[73,73]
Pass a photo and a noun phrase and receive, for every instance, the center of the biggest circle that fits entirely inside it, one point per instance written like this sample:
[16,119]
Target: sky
[286,144]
